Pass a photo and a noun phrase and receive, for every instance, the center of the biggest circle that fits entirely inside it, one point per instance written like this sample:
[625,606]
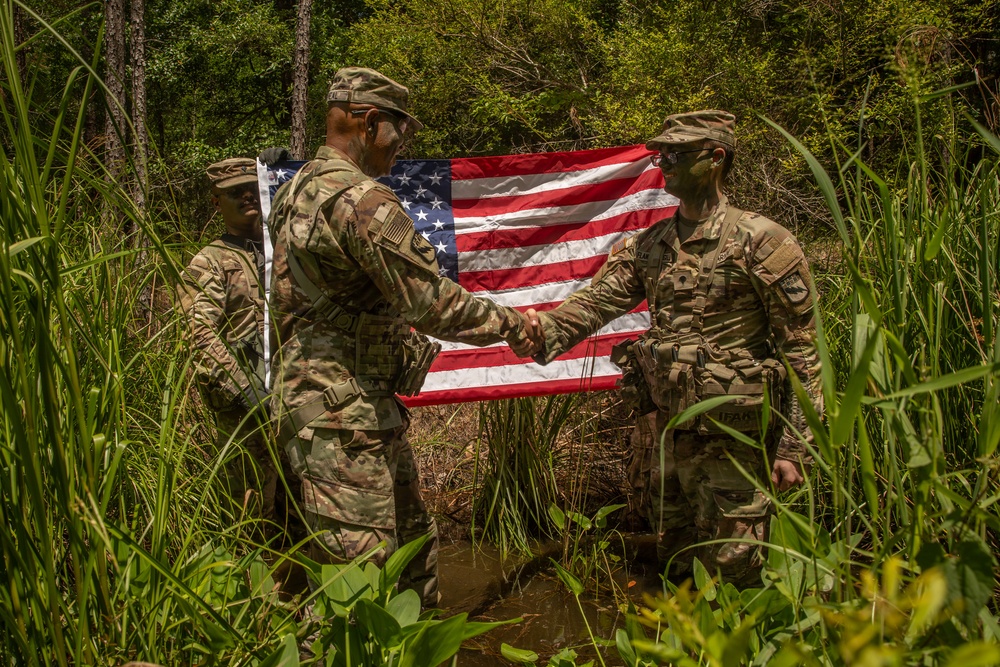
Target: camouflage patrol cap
[681,128]
[232,172]
[361,85]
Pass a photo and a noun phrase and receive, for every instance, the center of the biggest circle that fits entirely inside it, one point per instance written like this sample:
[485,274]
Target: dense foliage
[115,545]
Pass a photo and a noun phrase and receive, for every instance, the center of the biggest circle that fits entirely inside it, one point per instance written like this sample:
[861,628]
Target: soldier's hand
[274,154]
[786,474]
[531,338]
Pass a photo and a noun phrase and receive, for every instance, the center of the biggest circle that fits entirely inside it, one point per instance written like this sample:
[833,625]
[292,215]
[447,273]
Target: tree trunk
[138,55]
[114,64]
[300,80]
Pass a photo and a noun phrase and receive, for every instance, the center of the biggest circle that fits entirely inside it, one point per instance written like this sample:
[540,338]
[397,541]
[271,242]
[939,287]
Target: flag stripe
[573,231]
[549,215]
[503,279]
[533,184]
[607,191]
[634,322]
[544,163]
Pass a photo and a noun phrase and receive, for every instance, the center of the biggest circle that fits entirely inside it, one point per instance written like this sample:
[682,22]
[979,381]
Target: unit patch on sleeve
[423,248]
[795,289]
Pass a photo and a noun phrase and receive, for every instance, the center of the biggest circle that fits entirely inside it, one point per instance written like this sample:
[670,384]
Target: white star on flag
[406,203]
[436,179]
[404,179]
[426,235]
[436,203]
[421,190]
[421,215]
[438,225]
[441,247]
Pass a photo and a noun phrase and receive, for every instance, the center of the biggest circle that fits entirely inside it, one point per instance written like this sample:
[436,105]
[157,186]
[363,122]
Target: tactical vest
[389,357]
[682,368]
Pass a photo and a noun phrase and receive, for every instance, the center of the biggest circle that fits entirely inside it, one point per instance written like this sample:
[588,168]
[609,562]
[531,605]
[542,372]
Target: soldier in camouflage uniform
[223,299]
[350,277]
[730,297]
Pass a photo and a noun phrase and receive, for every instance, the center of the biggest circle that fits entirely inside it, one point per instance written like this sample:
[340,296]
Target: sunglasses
[240,192]
[402,122]
[671,157]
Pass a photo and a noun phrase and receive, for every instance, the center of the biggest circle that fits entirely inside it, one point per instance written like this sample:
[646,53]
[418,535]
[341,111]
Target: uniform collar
[331,153]
[712,227]
[241,242]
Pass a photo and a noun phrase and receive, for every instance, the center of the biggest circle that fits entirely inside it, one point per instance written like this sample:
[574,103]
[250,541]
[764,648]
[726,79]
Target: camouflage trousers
[360,488]
[693,493]
[249,473]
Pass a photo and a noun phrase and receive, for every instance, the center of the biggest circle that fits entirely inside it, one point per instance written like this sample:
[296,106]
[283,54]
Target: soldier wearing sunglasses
[350,278]
[731,307]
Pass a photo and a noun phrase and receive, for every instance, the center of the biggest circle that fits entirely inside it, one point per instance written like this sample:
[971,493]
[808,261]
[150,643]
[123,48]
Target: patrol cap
[232,172]
[681,128]
[361,85]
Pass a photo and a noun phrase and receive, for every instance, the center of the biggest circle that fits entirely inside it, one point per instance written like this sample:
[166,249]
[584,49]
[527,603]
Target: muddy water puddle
[476,581]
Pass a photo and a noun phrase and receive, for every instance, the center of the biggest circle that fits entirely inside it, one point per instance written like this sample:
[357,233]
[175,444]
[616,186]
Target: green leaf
[286,655]
[435,643]
[937,384]
[624,647]
[24,244]
[604,512]
[405,607]
[476,628]
[975,654]
[703,581]
[580,520]
[974,571]
[523,656]
[398,561]
[376,622]
[569,580]
[557,516]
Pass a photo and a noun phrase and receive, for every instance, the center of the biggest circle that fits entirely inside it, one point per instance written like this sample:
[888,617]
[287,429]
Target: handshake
[528,339]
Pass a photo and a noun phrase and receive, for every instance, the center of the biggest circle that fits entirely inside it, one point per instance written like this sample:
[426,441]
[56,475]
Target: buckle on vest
[346,321]
[340,393]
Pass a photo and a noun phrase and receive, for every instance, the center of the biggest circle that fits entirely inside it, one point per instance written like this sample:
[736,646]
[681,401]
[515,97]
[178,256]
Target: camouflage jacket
[222,299]
[761,288]
[351,238]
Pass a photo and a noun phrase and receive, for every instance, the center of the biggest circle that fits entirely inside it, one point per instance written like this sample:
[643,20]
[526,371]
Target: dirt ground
[591,462]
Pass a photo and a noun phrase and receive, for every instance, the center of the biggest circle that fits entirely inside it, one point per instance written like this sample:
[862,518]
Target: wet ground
[478,582]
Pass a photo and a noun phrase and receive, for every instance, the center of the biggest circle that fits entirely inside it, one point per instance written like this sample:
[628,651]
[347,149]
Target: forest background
[206,80]
[117,547]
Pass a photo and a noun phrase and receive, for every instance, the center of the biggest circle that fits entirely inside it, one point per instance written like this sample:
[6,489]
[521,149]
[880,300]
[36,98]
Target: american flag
[524,231]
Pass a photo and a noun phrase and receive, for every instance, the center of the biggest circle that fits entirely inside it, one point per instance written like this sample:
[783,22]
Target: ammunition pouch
[419,353]
[632,384]
[378,343]
[680,376]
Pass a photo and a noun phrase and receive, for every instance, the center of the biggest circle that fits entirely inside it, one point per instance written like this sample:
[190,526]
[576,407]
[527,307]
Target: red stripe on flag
[453,360]
[521,390]
[543,163]
[576,231]
[579,194]
[505,279]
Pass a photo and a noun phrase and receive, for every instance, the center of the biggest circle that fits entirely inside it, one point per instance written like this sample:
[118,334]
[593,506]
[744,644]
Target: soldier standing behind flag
[223,300]
[730,299]
[350,277]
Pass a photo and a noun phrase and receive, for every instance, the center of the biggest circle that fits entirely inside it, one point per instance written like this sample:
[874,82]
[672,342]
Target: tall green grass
[515,482]
[115,545]
[887,555]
